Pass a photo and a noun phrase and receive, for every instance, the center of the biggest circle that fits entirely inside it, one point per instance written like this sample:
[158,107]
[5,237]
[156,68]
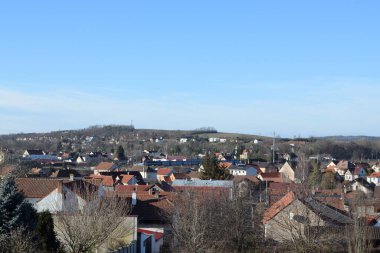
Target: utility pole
[274,142]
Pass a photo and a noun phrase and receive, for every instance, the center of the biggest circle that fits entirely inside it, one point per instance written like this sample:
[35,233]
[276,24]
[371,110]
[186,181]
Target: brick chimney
[60,186]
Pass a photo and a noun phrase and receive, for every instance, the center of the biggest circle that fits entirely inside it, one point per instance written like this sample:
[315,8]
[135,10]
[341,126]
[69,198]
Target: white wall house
[348,176]
[374,178]
[182,140]
[60,200]
[243,170]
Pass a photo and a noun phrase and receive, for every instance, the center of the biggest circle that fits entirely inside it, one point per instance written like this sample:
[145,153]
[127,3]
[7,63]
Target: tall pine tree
[15,211]
[120,153]
[45,230]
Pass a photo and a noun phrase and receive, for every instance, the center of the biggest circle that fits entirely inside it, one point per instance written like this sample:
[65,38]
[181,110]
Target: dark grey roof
[327,213]
[35,152]
[202,183]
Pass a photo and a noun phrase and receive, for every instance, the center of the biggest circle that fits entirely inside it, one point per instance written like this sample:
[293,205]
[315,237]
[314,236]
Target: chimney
[71,177]
[60,186]
[134,200]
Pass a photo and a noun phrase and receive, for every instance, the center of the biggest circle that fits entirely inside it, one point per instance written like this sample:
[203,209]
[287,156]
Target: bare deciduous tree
[357,234]
[214,221]
[93,223]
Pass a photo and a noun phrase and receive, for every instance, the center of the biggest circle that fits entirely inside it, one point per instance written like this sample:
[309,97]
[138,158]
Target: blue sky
[295,67]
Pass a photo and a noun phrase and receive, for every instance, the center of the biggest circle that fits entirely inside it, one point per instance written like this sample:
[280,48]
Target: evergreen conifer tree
[45,230]
[211,169]
[15,212]
[120,153]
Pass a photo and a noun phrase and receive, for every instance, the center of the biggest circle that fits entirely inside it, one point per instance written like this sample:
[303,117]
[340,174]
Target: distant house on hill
[33,152]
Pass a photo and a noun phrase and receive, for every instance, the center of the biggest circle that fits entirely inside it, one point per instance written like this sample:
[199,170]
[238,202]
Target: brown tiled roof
[375,174]
[272,176]
[330,168]
[37,187]
[225,165]
[332,197]
[164,171]
[277,207]
[345,165]
[181,176]
[106,180]
[131,188]
[357,170]
[126,178]
[105,166]
[195,174]
[254,179]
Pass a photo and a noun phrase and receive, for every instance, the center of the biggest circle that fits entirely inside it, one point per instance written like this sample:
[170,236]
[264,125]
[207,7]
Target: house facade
[242,170]
[374,178]
[291,216]
[287,172]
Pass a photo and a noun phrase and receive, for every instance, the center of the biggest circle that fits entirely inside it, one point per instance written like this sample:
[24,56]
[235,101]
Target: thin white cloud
[331,108]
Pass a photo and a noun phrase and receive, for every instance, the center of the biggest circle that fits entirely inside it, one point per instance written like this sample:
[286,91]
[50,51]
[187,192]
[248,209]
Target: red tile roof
[164,171]
[277,207]
[330,168]
[375,174]
[107,181]
[126,178]
[131,188]
[195,174]
[272,176]
[157,235]
[104,166]
[254,179]
[37,187]
[225,165]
